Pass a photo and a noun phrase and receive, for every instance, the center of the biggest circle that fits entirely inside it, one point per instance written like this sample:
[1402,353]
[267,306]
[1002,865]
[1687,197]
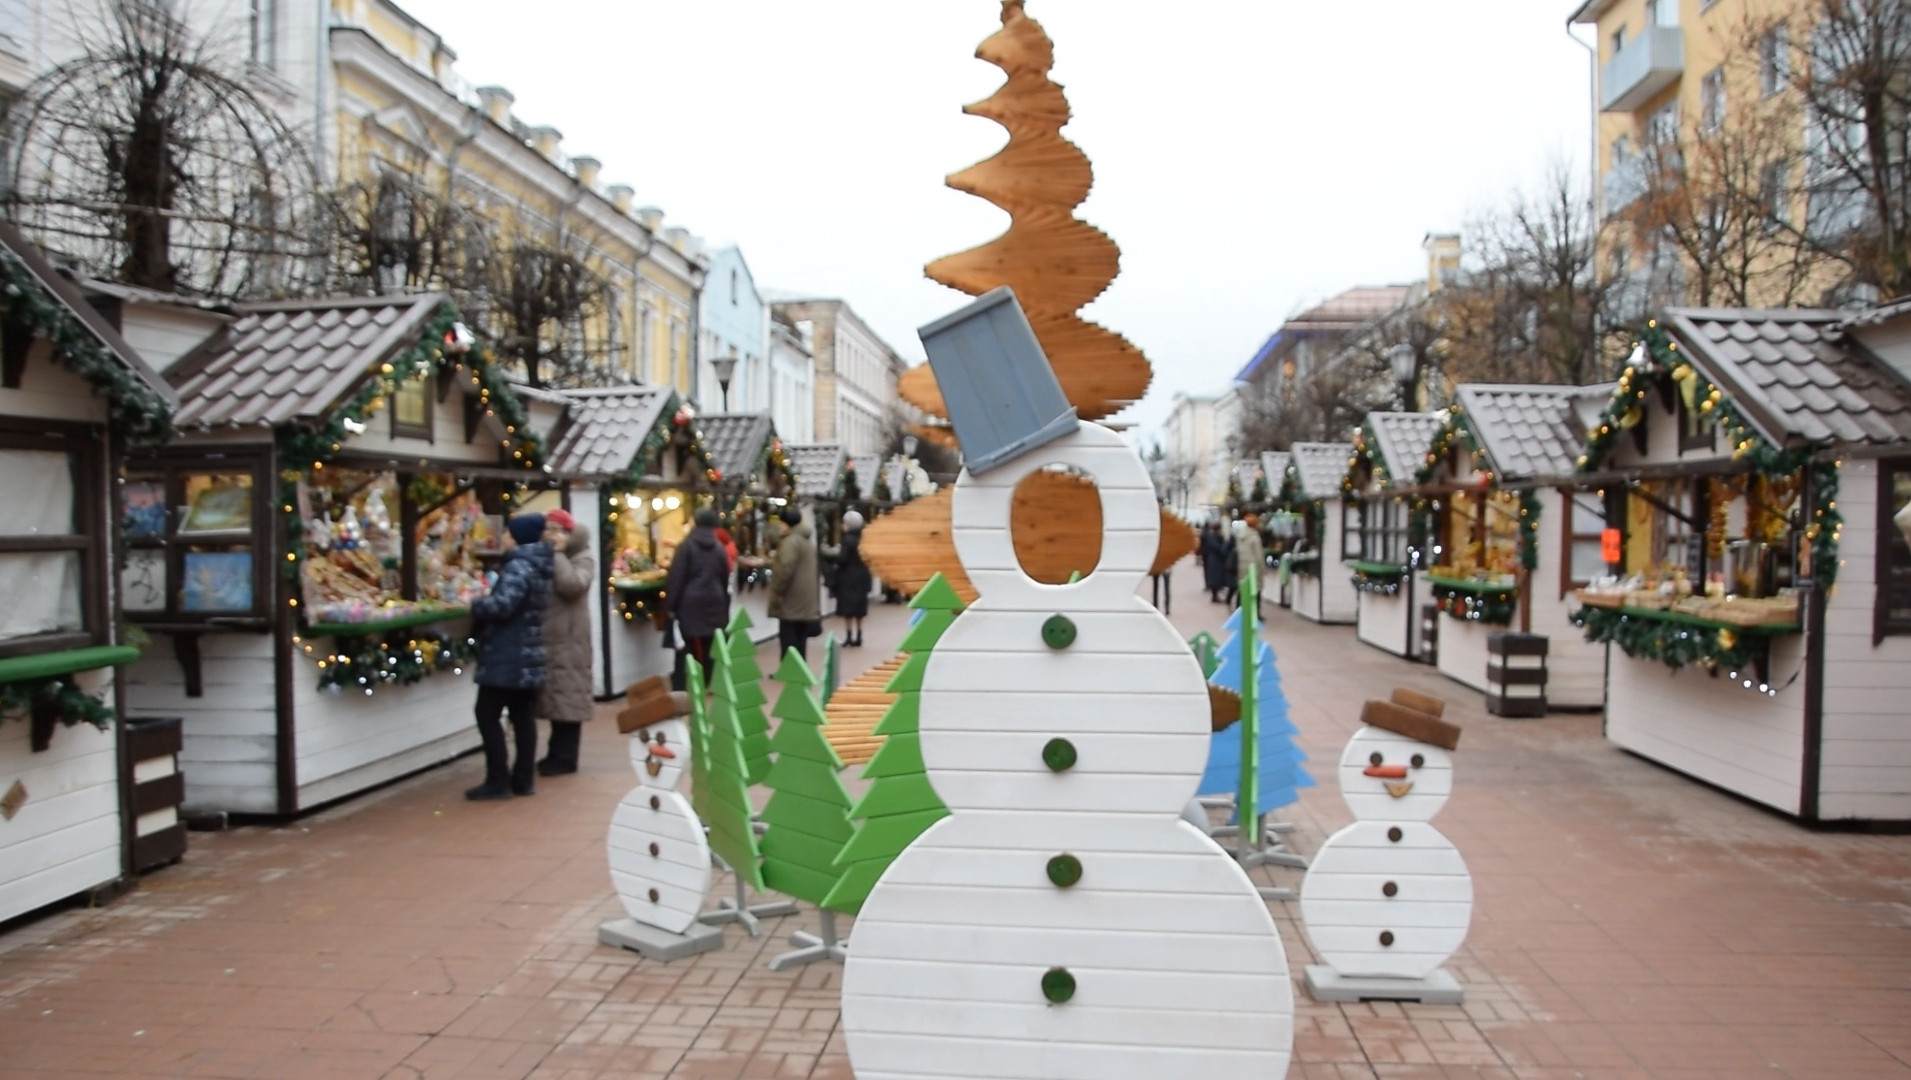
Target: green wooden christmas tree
[746,680]
[808,812]
[900,804]
[724,803]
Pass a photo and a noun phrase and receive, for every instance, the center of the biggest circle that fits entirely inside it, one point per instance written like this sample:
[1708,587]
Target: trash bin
[1516,674]
[1429,650]
[154,790]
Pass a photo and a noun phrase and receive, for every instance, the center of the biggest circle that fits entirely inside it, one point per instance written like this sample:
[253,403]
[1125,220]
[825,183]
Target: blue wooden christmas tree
[1277,767]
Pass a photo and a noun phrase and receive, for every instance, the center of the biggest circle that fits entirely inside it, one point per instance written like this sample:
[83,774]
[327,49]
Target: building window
[1662,129]
[265,33]
[1774,59]
[1662,12]
[1774,194]
[1712,100]
[1894,548]
[1585,523]
[1618,40]
[51,596]
[736,291]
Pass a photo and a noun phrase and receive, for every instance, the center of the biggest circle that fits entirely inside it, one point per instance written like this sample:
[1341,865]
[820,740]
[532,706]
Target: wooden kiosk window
[1582,525]
[1383,530]
[191,532]
[51,593]
[411,409]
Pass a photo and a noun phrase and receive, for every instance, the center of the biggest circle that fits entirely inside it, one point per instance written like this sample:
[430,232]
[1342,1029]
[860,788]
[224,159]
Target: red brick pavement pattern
[1628,923]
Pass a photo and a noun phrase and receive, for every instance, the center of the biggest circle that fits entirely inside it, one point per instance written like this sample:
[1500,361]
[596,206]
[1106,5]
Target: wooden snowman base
[1439,988]
[656,944]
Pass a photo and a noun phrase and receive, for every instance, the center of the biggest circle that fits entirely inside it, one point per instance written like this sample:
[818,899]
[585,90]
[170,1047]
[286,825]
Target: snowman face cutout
[1386,776]
[660,753]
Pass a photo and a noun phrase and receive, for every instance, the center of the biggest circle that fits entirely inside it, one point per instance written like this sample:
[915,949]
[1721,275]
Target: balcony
[1653,60]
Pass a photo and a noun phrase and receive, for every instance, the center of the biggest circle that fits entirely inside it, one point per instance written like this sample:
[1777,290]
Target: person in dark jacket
[1217,552]
[509,621]
[697,592]
[853,579]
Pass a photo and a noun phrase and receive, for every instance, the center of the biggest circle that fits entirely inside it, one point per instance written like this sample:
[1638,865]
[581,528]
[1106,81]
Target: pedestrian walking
[566,701]
[509,623]
[697,592]
[853,579]
[1250,556]
[1215,551]
[796,595]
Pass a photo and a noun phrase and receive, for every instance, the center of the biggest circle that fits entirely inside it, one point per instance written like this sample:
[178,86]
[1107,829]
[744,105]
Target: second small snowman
[1388,899]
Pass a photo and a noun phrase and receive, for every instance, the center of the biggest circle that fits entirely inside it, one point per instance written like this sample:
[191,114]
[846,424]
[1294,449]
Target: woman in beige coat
[566,701]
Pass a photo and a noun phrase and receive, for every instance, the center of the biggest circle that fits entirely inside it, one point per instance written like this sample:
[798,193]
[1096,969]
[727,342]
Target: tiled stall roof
[1790,374]
[277,363]
[74,301]
[605,428]
[1527,431]
[818,467]
[1402,439]
[735,440]
[1274,467]
[1320,467]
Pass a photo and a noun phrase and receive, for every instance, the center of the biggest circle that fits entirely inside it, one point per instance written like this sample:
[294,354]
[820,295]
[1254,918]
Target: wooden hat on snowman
[1061,921]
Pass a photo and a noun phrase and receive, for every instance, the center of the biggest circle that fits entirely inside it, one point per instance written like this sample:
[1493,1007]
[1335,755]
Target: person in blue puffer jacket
[509,623]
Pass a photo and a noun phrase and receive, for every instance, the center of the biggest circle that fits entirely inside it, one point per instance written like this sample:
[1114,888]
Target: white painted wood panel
[420,755]
[229,735]
[1460,652]
[66,838]
[1304,596]
[1708,728]
[1405,936]
[50,392]
[903,1057]
[679,872]
[1387,622]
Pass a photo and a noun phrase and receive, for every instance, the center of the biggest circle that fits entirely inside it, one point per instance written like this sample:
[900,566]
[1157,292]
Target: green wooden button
[1058,985]
[1059,755]
[1064,870]
[1058,632]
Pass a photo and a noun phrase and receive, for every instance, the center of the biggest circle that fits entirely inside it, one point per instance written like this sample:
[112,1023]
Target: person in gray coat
[566,701]
[796,592]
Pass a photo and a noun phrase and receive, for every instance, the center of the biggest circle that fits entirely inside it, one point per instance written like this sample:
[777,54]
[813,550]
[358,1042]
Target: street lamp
[724,366]
[1402,358]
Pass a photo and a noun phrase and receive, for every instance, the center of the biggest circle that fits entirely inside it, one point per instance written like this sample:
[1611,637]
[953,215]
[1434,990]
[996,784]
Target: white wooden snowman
[1388,899]
[1064,921]
[659,859]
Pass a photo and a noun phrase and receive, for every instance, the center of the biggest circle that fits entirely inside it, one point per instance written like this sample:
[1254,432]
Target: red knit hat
[563,519]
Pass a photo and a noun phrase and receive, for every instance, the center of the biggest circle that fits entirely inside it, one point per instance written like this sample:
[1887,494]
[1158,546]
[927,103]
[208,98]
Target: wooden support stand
[813,947]
[739,910]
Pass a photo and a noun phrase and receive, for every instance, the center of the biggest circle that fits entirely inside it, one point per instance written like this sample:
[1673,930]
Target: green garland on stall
[136,408]
[389,662]
[1530,510]
[1674,644]
[1371,579]
[70,705]
[1365,445]
[1456,431]
[1626,410]
[1496,608]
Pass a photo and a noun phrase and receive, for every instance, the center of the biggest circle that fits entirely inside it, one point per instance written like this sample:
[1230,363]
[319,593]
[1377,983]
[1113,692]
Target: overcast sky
[1251,156]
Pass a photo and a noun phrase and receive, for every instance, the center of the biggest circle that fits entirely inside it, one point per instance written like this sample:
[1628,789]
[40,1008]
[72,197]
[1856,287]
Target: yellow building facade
[396,104]
[1711,77]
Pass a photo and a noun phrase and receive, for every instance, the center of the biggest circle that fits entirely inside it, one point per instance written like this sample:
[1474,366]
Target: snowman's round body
[659,858]
[1389,896]
[1064,921]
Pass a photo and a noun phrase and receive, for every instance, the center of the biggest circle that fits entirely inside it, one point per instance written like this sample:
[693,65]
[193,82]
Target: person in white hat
[852,580]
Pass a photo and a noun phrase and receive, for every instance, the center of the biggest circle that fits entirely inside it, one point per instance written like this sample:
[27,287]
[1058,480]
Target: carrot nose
[1386,772]
[657,750]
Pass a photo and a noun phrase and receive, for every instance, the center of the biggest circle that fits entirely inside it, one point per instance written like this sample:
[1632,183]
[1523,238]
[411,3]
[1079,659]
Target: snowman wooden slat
[659,857]
[1063,921]
[1389,897]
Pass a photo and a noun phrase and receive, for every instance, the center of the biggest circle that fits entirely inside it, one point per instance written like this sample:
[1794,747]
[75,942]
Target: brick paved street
[1628,923]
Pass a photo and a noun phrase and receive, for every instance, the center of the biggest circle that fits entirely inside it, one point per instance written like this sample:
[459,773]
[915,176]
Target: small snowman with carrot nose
[1388,899]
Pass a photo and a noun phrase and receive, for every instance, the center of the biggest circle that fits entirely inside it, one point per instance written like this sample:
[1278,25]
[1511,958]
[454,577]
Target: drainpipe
[321,62]
[1592,136]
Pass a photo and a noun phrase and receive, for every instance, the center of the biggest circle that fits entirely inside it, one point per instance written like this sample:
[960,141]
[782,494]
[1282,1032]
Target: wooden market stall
[754,481]
[1382,550]
[822,475]
[631,463]
[1759,467]
[1282,526]
[1509,548]
[304,551]
[72,394]
[1318,589]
